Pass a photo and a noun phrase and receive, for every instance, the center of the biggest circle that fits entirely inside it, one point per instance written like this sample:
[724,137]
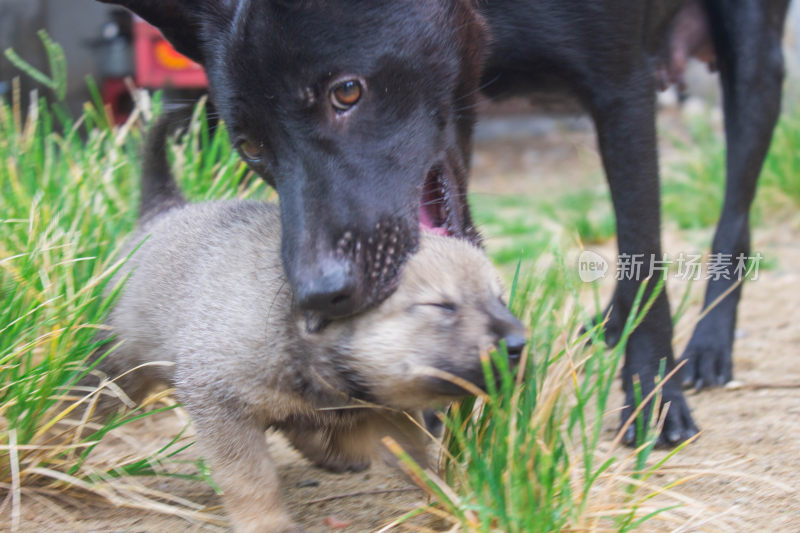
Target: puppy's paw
[290,528]
[341,465]
[267,523]
[294,528]
[330,452]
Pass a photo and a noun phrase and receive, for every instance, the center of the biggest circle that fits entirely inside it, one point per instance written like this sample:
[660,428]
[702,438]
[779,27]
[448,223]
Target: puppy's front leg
[323,447]
[406,430]
[233,442]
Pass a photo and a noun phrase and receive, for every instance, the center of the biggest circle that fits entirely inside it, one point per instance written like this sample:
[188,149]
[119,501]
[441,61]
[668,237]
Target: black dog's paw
[708,364]
[678,423]
[612,327]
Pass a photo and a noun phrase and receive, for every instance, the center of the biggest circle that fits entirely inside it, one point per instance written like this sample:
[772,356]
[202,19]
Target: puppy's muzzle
[514,346]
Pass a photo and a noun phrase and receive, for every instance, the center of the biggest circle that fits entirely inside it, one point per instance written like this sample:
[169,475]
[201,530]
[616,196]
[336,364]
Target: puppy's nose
[332,292]
[514,345]
[507,327]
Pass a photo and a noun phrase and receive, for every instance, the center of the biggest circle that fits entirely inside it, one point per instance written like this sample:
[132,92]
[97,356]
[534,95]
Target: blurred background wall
[71,23]
[76,23]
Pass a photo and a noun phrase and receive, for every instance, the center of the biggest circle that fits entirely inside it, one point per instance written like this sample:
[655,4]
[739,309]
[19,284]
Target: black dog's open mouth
[435,211]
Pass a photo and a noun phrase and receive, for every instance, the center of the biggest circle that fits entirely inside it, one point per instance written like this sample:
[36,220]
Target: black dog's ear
[177,20]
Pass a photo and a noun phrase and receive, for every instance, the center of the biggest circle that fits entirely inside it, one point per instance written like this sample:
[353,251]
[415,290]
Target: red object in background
[158,65]
[115,94]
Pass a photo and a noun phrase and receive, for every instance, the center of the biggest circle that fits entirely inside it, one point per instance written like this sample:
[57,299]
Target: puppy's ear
[178,20]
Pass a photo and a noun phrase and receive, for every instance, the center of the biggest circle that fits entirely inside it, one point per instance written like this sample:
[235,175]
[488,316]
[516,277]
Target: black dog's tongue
[433,212]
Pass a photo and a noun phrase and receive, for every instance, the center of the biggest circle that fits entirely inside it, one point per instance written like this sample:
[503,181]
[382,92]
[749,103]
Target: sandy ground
[749,449]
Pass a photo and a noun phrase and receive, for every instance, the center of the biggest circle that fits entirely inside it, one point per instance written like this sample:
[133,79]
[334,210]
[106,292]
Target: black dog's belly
[570,45]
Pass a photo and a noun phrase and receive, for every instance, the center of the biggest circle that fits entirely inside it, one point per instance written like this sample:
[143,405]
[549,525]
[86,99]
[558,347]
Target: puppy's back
[199,275]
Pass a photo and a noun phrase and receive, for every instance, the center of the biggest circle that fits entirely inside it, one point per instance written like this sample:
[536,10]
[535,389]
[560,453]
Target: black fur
[159,189]
[351,183]
[605,53]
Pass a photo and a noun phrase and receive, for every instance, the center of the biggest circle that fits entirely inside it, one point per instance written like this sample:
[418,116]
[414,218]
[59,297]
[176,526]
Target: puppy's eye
[450,307]
[346,94]
[250,150]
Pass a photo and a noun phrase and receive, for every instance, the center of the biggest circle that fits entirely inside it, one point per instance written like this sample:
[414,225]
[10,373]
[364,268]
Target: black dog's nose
[514,345]
[332,293]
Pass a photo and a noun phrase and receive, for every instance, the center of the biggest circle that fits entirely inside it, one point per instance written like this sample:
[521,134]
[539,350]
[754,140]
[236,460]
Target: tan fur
[207,292]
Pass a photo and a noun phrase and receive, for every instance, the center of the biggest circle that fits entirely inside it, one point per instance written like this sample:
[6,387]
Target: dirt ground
[749,451]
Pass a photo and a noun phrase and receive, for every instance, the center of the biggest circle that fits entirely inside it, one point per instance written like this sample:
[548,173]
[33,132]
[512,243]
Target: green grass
[529,456]
[693,187]
[781,174]
[692,190]
[521,227]
[68,200]
[508,229]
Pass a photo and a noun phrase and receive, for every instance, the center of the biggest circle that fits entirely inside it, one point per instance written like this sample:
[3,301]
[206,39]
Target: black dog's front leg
[625,120]
[748,45]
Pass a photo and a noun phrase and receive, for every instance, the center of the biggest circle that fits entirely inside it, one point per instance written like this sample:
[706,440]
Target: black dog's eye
[346,94]
[250,150]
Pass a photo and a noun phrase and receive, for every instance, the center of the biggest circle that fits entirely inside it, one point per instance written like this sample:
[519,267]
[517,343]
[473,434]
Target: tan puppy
[207,291]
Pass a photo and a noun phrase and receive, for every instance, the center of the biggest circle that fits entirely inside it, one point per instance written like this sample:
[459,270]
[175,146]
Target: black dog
[368,106]
[610,54]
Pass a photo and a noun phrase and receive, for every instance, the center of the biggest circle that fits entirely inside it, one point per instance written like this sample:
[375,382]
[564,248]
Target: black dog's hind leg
[624,115]
[747,38]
